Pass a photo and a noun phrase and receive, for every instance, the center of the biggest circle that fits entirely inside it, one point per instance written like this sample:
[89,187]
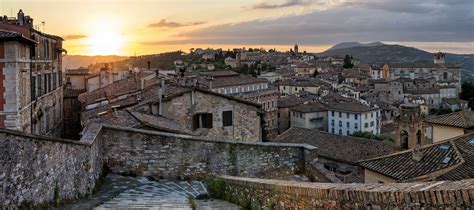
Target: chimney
[417,153]
[149,65]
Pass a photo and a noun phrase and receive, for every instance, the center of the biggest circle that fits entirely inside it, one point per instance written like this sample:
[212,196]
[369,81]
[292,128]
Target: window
[332,122]
[340,132]
[340,123]
[372,124]
[227,118]
[366,125]
[33,88]
[356,126]
[202,120]
[347,115]
[348,125]
[356,116]
[372,114]
[340,114]
[332,113]
[347,133]
[332,130]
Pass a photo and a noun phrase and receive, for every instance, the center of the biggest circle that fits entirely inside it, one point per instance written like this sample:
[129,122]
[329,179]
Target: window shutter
[195,121]
[208,120]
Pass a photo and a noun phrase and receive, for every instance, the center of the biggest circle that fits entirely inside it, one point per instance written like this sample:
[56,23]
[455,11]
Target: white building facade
[344,122]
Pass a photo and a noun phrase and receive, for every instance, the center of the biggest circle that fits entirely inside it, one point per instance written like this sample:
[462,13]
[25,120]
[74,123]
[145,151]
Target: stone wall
[171,156]
[275,194]
[246,120]
[37,170]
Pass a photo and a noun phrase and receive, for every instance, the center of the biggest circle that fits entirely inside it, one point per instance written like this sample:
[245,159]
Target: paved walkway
[140,193]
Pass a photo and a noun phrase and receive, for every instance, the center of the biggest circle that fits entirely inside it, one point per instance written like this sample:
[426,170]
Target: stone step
[200,188]
[158,195]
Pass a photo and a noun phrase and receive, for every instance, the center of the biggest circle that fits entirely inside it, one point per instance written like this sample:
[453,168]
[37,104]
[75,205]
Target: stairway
[164,195]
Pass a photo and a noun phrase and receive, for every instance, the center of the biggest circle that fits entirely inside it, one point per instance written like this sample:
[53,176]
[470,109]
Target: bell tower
[409,131]
[438,58]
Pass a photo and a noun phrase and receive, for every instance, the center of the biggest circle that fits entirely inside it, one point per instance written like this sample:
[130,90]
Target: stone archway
[404,139]
[418,137]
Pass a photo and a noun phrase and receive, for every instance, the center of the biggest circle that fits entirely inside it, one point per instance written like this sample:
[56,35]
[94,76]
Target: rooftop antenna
[43,23]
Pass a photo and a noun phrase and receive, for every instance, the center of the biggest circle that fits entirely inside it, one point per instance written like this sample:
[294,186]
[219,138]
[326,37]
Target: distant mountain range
[344,45]
[380,53]
[76,61]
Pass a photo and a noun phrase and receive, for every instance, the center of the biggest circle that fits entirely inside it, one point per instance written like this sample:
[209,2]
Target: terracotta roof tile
[456,156]
[343,148]
[461,119]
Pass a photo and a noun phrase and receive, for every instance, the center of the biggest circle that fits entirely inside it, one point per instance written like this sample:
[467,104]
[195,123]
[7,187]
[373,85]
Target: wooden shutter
[195,121]
[208,120]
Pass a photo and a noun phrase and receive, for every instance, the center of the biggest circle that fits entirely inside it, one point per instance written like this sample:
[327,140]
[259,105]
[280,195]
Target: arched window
[404,139]
[445,75]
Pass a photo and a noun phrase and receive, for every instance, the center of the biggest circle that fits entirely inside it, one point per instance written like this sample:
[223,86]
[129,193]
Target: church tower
[438,58]
[296,49]
[409,131]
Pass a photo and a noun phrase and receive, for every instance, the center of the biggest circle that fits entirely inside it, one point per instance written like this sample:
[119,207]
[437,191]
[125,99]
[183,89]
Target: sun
[105,37]
[105,43]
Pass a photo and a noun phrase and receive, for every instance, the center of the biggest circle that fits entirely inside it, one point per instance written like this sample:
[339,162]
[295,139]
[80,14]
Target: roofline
[424,146]
[19,38]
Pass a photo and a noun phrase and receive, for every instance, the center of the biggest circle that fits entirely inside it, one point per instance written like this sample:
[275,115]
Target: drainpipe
[160,95]
[31,96]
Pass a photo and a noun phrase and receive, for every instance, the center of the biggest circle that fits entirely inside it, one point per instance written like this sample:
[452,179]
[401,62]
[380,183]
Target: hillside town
[366,123]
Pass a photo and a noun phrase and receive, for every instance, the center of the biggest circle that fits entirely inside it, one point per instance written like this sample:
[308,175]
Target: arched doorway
[404,139]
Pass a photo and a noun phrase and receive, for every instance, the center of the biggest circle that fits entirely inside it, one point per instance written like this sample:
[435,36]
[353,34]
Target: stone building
[310,115]
[32,93]
[77,78]
[410,130]
[230,82]
[286,103]
[444,74]
[395,91]
[268,98]
[207,113]
[301,84]
[446,160]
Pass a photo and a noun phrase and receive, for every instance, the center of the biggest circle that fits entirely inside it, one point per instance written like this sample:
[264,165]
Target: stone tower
[438,58]
[409,127]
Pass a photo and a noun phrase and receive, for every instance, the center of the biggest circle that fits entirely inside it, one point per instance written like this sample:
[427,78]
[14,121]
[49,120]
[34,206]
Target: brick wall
[259,193]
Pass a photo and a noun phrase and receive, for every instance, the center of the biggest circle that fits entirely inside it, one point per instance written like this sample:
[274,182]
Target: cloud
[170,24]
[74,36]
[417,21]
[288,3]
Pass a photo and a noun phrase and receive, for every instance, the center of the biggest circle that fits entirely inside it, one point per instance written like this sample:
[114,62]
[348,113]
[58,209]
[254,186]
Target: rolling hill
[344,45]
[76,61]
[384,53]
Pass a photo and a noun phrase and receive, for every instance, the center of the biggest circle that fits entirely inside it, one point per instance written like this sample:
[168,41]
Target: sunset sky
[128,27]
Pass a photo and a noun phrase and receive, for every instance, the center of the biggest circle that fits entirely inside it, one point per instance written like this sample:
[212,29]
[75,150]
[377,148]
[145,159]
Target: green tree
[244,69]
[348,62]
[467,93]
[369,135]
